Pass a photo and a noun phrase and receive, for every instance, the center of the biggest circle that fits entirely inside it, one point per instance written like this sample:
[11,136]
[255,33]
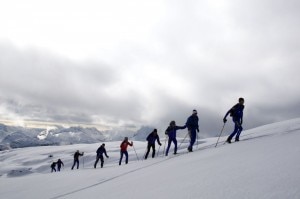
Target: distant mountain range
[19,137]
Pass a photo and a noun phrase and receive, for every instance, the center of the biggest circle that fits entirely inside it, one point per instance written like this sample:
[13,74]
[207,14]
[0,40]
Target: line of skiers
[192,124]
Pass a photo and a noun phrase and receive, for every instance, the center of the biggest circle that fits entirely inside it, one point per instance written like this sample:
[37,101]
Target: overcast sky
[132,63]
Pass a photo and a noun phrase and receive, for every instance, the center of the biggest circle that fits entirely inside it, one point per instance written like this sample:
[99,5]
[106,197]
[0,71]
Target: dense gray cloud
[39,86]
[200,55]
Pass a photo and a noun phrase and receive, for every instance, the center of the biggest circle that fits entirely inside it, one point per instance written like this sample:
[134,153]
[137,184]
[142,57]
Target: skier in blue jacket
[171,132]
[101,150]
[236,112]
[193,126]
[152,137]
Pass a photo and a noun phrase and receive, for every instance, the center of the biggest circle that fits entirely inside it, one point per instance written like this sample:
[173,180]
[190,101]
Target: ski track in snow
[124,174]
[107,180]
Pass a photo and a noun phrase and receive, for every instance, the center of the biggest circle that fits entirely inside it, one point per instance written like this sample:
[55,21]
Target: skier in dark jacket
[123,150]
[59,163]
[171,132]
[76,159]
[53,167]
[236,112]
[101,150]
[193,126]
[152,137]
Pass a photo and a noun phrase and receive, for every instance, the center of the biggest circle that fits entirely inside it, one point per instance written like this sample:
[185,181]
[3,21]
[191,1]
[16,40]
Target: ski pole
[197,139]
[220,134]
[158,151]
[145,152]
[136,153]
[165,146]
[83,161]
[183,140]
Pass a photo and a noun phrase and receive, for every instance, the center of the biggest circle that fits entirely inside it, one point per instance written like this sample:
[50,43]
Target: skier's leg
[121,157]
[126,156]
[77,161]
[240,128]
[175,143]
[102,161]
[96,162]
[168,147]
[148,150]
[234,132]
[73,164]
[193,139]
[153,150]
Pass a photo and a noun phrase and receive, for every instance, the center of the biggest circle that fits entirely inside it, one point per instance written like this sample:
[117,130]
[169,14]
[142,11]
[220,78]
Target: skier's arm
[105,153]
[180,127]
[224,119]
[158,140]
[242,118]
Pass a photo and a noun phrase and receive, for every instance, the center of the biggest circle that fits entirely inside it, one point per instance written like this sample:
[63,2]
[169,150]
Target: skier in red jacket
[123,151]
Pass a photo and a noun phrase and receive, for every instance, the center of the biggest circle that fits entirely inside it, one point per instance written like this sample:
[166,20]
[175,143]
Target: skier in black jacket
[101,150]
[76,158]
[59,164]
[53,167]
[236,112]
[193,126]
[152,137]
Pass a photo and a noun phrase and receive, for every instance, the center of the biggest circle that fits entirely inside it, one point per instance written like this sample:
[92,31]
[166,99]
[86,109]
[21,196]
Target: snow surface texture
[264,164]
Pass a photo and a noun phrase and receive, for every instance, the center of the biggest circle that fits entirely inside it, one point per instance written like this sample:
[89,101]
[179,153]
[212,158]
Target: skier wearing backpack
[76,159]
[123,150]
[101,150]
[152,137]
[171,132]
[193,126]
[236,112]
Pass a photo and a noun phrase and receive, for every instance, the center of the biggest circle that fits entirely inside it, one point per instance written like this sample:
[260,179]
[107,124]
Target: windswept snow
[264,164]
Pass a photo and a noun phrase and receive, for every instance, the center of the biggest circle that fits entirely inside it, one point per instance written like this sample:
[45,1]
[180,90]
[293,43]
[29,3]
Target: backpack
[232,111]
[123,146]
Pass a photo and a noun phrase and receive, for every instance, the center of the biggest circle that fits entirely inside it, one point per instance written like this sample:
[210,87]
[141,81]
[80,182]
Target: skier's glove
[159,144]
[198,130]
[224,120]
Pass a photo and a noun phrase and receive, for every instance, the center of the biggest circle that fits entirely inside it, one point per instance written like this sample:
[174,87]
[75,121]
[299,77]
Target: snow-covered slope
[264,164]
